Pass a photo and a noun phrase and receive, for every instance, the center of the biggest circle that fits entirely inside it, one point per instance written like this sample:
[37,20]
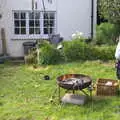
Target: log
[3,38]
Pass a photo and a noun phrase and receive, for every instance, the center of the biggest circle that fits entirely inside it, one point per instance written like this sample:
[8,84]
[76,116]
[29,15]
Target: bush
[50,55]
[105,52]
[77,50]
[74,50]
[106,33]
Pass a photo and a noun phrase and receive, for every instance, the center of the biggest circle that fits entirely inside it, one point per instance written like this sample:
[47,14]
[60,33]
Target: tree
[110,10]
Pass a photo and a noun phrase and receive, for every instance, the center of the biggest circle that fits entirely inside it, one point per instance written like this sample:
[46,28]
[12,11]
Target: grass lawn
[24,95]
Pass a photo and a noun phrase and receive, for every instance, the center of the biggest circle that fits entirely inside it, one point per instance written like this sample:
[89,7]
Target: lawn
[24,95]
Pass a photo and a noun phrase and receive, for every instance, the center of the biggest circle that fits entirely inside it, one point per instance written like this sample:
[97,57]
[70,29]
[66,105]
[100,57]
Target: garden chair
[55,39]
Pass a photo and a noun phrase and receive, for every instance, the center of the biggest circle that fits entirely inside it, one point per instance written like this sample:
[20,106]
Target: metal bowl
[74,81]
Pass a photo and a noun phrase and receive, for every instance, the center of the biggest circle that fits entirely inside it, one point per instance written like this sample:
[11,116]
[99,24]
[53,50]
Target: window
[20,23]
[49,23]
[34,23]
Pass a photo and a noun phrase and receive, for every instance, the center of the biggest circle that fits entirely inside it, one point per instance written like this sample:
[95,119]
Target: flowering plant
[77,35]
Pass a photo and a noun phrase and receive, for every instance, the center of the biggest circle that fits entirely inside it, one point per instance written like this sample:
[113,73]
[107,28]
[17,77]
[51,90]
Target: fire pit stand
[74,82]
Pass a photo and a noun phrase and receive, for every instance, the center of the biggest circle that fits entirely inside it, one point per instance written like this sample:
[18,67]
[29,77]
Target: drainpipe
[92,18]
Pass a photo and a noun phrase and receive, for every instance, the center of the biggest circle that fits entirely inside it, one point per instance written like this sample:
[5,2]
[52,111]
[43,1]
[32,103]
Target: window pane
[16,15]
[51,23]
[23,16]
[46,23]
[51,30]
[51,15]
[23,23]
[31,23]
[37,15]
[17,31]
[37,30]
[16,23]
[46,16]
[31,30]
[37,23]
[45,30]
[23,31]
[31,15]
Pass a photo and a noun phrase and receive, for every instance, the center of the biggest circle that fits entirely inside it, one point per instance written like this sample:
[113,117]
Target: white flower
[77,35]
[59,46]
[73,35]
[80,33]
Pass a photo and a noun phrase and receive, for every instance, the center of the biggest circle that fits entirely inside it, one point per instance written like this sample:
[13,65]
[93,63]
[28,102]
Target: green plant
[109,9]
[31,57]
[106,33]
[50,55]
[74,50]
[104,52]
[77,50]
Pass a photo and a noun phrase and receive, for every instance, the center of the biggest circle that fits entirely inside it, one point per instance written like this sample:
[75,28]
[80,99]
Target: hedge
[73,51]
[77,50]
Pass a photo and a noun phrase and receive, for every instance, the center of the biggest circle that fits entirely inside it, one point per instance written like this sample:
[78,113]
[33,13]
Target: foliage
[106,33]
[74,50]
[104,53]
[110,10]
[49,54]
[31,58]
[77,50]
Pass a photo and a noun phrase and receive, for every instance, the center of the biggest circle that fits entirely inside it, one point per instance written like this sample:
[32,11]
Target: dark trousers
[118,69]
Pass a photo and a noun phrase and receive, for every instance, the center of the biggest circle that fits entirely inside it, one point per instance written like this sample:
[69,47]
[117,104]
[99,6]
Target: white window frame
[32,36]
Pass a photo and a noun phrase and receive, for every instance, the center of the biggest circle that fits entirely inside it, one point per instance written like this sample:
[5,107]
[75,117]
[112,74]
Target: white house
[65,17]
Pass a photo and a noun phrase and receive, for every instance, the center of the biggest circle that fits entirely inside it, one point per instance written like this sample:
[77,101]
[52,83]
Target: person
[117,56]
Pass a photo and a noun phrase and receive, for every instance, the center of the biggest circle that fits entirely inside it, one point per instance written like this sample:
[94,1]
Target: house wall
[72,16]
[0,30]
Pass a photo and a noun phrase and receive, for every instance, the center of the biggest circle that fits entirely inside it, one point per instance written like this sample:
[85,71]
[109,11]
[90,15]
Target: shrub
[106,33]
[50,55]
[77,50]
[74,50]
[105,52]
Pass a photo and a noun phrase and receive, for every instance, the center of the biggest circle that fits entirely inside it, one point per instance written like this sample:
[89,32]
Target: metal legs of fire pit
[59,94]
[89,95]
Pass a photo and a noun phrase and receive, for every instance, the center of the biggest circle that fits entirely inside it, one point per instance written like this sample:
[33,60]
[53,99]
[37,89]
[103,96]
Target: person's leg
[118,69]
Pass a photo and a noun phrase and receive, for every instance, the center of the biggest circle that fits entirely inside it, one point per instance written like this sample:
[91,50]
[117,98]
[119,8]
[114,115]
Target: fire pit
[74,82]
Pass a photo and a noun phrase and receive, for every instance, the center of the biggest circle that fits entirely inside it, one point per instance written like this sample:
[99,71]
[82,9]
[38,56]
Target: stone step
[74,99]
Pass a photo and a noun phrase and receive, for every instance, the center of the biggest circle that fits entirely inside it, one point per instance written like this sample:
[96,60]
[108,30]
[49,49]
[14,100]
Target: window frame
[48,20]
[19,20]
[41,20]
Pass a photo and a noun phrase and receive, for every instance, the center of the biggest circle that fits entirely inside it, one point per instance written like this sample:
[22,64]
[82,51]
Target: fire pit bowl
[74,81]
